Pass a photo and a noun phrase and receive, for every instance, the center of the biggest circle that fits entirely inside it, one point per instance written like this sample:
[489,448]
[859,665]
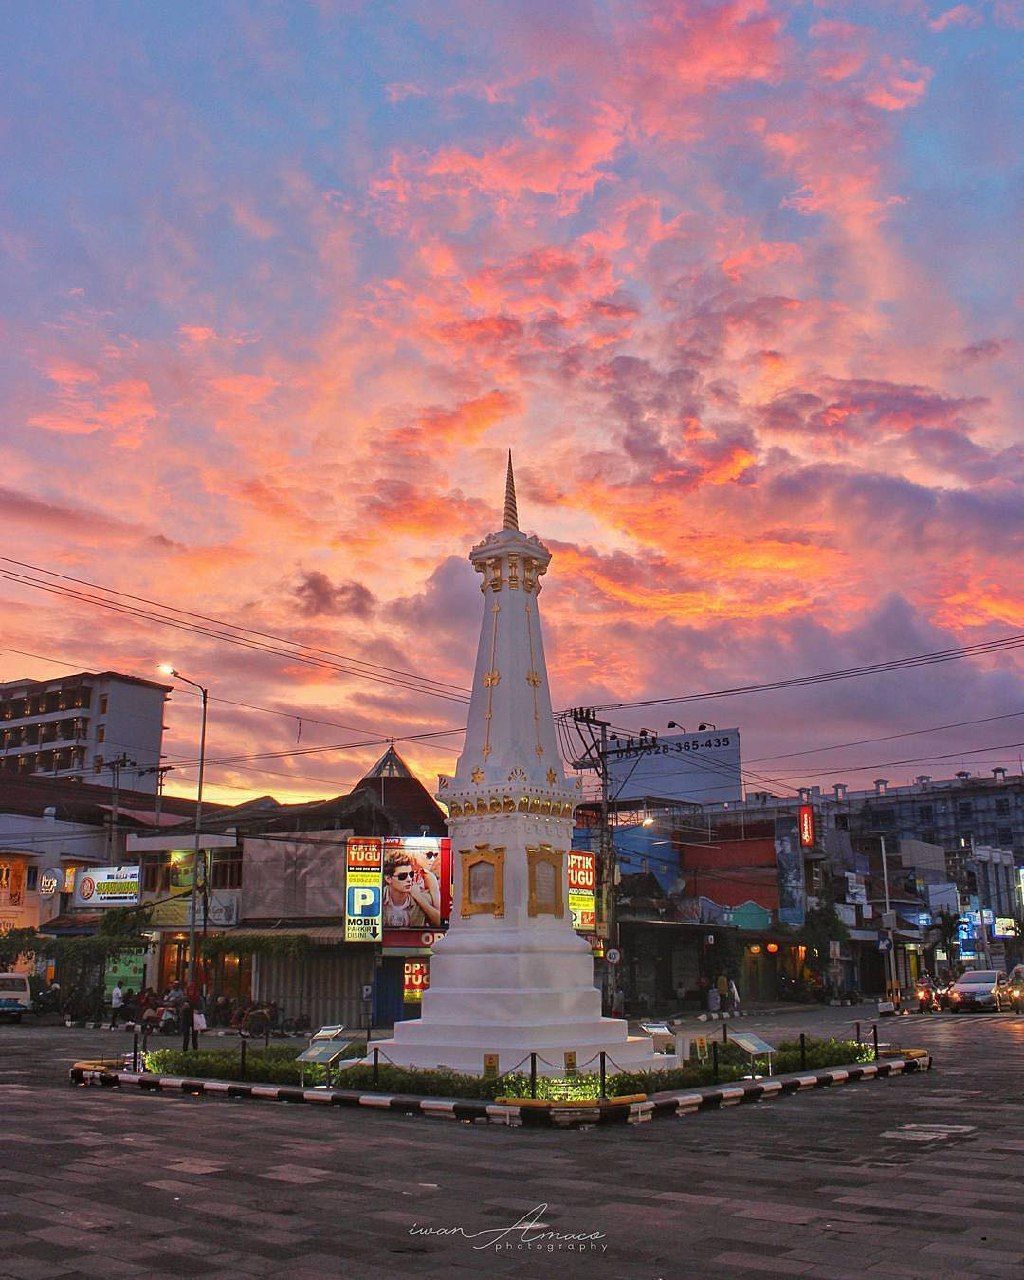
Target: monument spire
[511,514]
[512,976]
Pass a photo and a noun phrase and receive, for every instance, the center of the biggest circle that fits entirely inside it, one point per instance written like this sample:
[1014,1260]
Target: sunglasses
[402,875]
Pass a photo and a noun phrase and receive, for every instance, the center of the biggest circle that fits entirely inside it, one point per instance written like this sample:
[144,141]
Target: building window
[965,809]
[1005,837]
[925,813]
[156,872]
[1002,807]
[226,871]
[97,764]
[103,704]
[101,732]
[32,879]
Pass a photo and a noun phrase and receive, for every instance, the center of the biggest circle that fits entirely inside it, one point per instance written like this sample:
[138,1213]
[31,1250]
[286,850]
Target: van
[15,997]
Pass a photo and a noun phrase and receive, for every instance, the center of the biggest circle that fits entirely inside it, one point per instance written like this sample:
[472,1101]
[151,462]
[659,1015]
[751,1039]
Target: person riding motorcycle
[927,994]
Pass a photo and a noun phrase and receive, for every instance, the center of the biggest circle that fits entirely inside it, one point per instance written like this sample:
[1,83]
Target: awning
[319,935]
[72,926]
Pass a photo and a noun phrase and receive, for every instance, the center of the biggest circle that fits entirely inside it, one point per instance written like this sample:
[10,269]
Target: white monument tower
[512,976]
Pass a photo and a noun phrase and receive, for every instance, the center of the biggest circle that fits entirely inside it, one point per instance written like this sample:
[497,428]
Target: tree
[822,926]
[16,944]
[948,924]
[82,962]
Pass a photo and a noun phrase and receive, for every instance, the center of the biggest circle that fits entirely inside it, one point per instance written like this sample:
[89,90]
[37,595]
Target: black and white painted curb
[675,1103]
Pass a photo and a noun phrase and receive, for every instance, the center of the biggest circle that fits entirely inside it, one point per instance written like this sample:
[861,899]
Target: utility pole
[982,924]
[116,765]
[894,988]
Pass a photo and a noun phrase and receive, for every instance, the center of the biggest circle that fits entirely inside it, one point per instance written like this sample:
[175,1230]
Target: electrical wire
[228,632]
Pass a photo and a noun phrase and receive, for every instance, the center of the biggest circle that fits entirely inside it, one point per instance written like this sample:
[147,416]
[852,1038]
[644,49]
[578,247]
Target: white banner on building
[106,887]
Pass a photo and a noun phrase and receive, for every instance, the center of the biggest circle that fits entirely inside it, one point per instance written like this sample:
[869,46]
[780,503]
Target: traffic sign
[613,955]
[885,944]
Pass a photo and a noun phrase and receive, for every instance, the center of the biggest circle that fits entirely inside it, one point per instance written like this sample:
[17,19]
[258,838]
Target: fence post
[135,1051]
[604,1074]
[803,1052]
[533,1075]
[856,1031]
[714,1060]
[376,1066]
[244,1045]
[725,1034]
[874,1038]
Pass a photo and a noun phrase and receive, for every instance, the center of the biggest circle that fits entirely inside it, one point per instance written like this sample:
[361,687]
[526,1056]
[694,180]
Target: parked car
[15,996]
[980,989]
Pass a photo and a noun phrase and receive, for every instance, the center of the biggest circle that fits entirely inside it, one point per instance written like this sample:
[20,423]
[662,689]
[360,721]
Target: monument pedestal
[513,992]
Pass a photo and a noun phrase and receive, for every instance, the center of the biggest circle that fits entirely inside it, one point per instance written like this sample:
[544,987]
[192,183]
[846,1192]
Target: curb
[514,1115]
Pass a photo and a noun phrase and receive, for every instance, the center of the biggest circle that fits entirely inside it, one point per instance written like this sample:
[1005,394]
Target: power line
[231,633]
[1004,644]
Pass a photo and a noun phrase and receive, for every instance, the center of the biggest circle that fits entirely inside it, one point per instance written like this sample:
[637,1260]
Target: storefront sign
[106,887]
[364,866]
[582,883]
[806,819]
[50,882]
[415,980]
[1004,927]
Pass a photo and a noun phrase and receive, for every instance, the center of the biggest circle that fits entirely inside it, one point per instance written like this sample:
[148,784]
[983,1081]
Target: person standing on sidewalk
[116,1004]
[188,1027]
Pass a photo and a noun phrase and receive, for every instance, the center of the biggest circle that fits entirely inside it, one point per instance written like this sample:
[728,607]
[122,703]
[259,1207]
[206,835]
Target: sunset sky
[738,283]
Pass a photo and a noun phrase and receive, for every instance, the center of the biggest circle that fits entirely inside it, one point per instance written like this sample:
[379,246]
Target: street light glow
[166,668]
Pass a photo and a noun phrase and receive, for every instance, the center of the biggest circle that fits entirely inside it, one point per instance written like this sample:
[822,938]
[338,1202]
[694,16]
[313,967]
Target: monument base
[514,1045]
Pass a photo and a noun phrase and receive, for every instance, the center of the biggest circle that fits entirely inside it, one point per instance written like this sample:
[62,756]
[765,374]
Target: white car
[980,989]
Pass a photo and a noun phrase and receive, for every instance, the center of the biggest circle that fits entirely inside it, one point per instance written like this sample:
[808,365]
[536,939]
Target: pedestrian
[734,996]
[188,1027]
[722,986]
[618,1002]
[116,1003]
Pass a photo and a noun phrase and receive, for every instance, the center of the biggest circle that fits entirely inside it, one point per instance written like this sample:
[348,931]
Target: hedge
[277,1065]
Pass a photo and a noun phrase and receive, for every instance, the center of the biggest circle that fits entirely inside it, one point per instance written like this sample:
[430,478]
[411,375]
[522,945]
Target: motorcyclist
[927,994]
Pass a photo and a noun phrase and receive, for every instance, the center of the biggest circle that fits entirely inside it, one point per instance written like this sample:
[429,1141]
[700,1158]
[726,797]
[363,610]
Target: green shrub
[277,1065]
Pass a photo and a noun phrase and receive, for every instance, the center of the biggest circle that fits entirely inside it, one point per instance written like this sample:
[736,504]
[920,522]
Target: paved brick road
[910,1178]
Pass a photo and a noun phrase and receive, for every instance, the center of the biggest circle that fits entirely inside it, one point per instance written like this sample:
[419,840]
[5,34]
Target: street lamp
[204,693]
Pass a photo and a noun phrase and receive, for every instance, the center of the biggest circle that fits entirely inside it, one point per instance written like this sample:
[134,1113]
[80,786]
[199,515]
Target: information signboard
[702,767]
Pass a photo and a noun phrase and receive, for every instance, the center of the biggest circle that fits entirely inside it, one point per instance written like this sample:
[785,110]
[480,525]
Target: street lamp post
[204,694]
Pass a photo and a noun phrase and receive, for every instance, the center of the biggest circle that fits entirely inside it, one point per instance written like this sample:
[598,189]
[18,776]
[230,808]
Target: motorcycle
[1017,995]
[928,998]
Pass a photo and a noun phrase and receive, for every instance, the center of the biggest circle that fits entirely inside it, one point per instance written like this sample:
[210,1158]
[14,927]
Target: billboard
[582,884]
[396,884]
[364,859]
[806,818]
[106,887]
[790,863]
[701,768]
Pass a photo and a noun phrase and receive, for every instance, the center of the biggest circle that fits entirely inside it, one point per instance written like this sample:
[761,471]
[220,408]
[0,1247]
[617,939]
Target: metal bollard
[725,1034]
[856,1031]
[803,1052]
[245,1046]
[533,1075]
[714,1061]
[874,1038]
[604,1074]
[376,1066]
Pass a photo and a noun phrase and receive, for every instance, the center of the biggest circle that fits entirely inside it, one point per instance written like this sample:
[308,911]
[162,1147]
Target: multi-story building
[96,726]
